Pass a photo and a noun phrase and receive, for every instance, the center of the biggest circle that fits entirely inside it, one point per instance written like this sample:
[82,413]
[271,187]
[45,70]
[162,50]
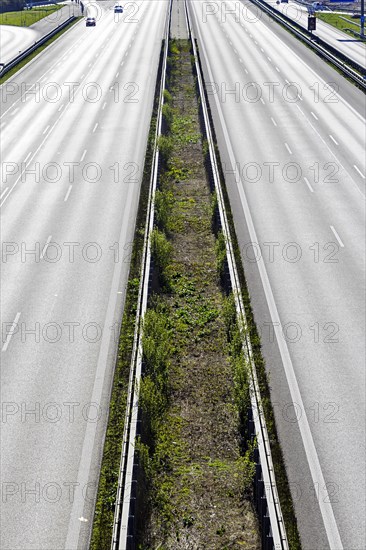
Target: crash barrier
[6,67]
[347,66]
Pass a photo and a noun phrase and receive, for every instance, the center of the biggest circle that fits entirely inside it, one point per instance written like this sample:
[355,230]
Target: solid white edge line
[78,503]
[89,438]
[3,193]
[359,171]
[317,75]
[337,236]
[325,505]
[11,332]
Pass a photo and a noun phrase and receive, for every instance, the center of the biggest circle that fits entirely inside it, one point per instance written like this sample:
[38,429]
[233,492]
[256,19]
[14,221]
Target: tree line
[16,5]
[11,5]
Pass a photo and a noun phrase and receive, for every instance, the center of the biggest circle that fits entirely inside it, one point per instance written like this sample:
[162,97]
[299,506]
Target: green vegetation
[336,20]
[108,481]
[197,478]
[36,52]
[26,18]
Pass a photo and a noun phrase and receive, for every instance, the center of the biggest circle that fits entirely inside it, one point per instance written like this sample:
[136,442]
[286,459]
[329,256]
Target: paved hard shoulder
[47,24]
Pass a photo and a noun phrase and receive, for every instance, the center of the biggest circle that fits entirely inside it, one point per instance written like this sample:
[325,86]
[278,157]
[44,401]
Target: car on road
[118,8]
[90,22]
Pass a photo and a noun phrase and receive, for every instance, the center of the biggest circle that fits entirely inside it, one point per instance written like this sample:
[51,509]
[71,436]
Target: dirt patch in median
[197,477]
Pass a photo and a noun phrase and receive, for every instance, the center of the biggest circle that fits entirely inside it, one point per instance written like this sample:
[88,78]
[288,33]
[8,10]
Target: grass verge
[336,21]
[26,18]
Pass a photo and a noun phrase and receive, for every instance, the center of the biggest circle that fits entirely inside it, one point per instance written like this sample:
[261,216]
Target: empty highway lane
[291,134]
[74,128]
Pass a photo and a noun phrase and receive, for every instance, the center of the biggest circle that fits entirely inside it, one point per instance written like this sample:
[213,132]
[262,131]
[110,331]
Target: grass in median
[26,18]
[336,21]
[197,466]
[197,480]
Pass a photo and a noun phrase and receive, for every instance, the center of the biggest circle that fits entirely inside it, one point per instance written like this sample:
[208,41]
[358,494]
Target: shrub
[165,146]
[161,250]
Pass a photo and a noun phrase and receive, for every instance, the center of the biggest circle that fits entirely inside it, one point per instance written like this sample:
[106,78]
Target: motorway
[13,40]
[291,134]
[74,126]
[351,47]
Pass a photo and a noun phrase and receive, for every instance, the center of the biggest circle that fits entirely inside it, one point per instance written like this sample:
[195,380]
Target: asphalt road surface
[14,40]
[350,46]
[291,133]
[74,128]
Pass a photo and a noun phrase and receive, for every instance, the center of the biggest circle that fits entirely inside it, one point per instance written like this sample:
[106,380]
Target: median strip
[189,449]
[196,462]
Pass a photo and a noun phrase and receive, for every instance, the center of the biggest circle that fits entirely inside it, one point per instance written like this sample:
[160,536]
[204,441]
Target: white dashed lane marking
[337,236]
[11,332]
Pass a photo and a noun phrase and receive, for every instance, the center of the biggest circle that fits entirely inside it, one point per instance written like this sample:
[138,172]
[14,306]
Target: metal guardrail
[273,532]
[266,496]
[124,520]
[347,66]
[6,67]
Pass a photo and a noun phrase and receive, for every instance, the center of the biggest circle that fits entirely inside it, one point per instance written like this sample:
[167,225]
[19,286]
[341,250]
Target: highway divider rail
[124,523]
[267,502]
[6,67]
[347,66]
